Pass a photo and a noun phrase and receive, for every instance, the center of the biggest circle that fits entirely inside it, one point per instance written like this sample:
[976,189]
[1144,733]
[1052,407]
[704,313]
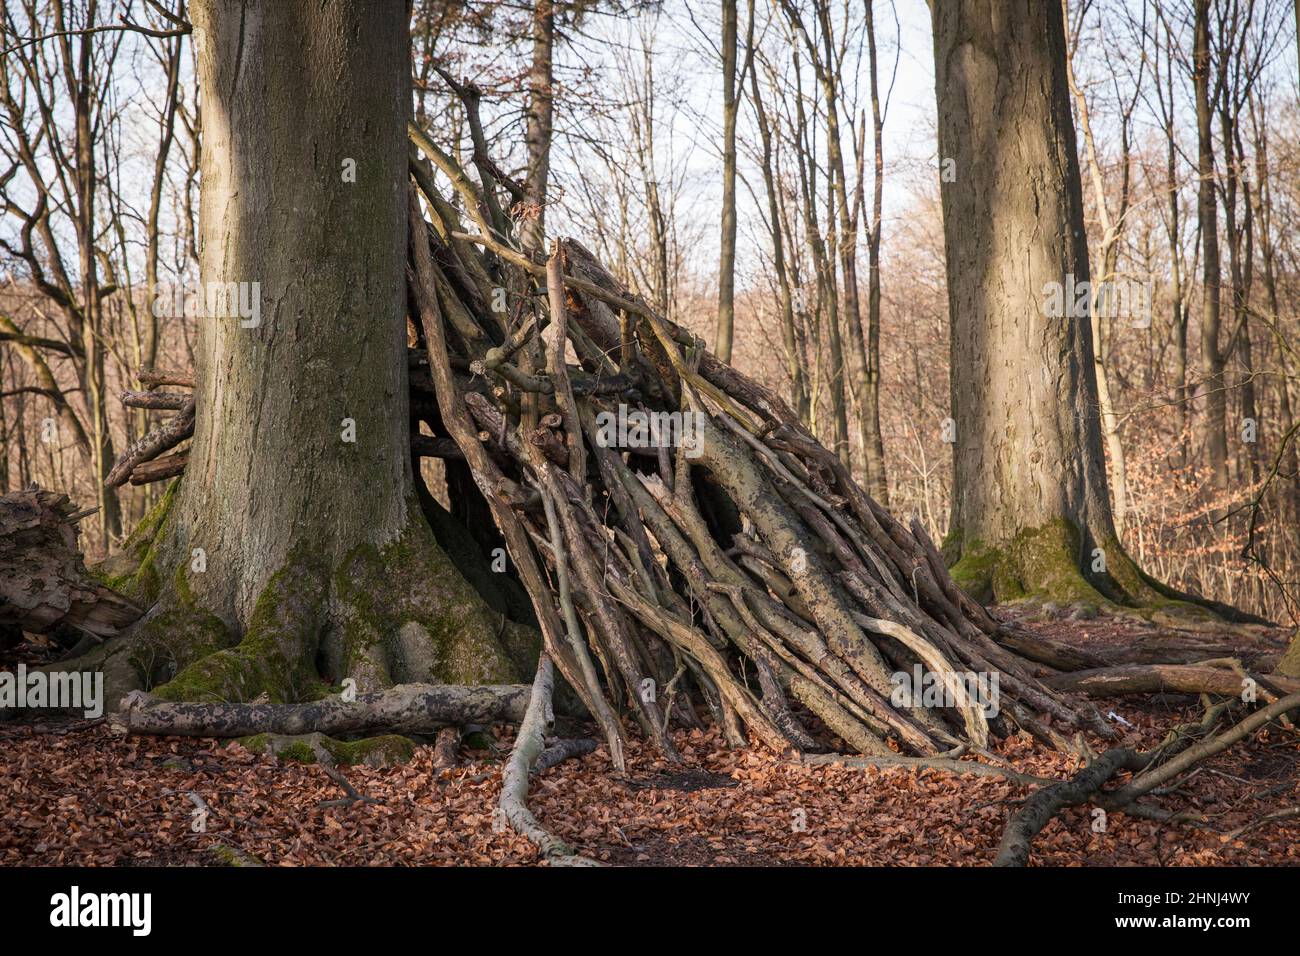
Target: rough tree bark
[44,586]
[295,552]
[727,256]
[1031,509]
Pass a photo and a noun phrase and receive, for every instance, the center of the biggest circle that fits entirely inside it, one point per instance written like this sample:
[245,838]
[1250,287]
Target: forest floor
[79,793]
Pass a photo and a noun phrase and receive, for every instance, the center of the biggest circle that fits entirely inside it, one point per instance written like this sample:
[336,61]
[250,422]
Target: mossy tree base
[402,613]
[1289,665]
[1051,564]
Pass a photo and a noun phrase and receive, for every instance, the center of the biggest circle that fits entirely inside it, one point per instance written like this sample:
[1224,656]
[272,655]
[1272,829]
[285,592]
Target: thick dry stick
[610,622]
[404,709]
[428,446]
[167,435]
[1158,776]
[162,401]
[159,469]
[563,750]
[1158,678]
[572,626]
[1047,802]
[490,481]
[152,378]
[560,371]
[514,777]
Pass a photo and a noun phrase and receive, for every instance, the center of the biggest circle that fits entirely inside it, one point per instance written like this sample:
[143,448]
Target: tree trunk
[1030,495]
[1212,360]
[872,439]
[294,552]
[541,112]
[727,262]
[270,469]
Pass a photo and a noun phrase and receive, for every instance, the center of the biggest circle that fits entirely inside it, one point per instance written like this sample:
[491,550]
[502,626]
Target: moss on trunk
[1289,665]
[398,614]
[1051,563]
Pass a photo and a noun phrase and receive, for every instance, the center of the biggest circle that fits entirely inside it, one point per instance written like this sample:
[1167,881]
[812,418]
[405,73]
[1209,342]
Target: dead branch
[514,777]
[404,709]
[166,436]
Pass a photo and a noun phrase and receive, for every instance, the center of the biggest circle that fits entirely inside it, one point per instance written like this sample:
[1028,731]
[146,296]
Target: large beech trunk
[1031,509]
[295,552]
[296,94]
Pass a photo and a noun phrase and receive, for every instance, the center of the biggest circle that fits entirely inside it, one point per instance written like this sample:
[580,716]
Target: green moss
[297,751]
[229,856]
[405,612]
[277,654]
[1289,665]
[1044,564]
[973,573]
[134,570]
[393,614]
[179,633]
[257,743]
[1037,564]
[382,751]
[385,750]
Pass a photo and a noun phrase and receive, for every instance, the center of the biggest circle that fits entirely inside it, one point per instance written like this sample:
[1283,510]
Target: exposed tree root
[1047,802]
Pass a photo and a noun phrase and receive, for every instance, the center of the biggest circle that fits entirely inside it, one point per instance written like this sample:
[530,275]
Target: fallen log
[1166,678]
[404,709]
[43,580]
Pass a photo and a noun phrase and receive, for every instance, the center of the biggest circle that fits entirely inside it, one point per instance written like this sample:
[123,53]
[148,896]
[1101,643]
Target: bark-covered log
[43,581]
[404,709]
[165,401]
[167,435]
[160,469]
[1176,678]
